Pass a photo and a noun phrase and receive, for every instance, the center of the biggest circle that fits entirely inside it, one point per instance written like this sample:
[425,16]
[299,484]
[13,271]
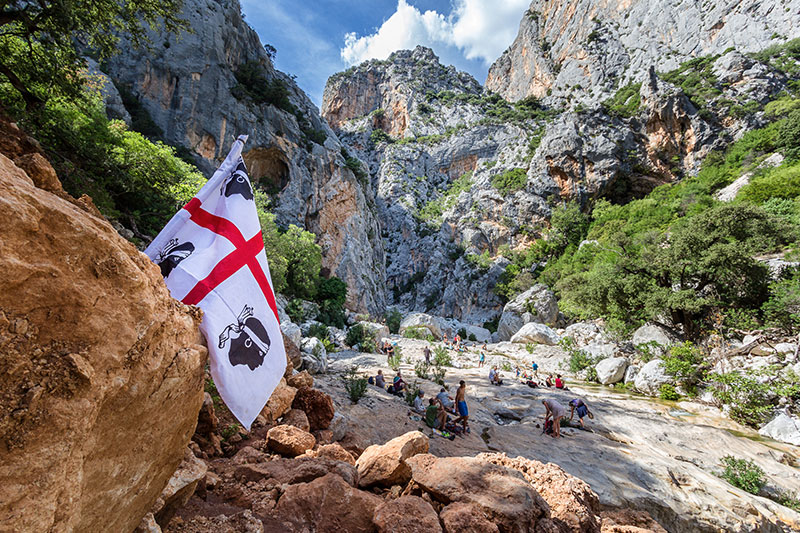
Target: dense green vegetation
[697,80]
[495,108]
[626,101]
[743,474]
[510,181]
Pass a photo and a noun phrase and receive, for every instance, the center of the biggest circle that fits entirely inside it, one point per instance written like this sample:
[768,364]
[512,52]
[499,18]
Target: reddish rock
[317,406]
[293,353]
[336,452]
[466,518]
[573,504]
[249,455]
[289,440]
[179,489]
[207,421]
[502,493]
[406,514]
[279,402]
[385,465]
[300,470]
[243,522]
[300,380]
[101,368]
[629,521]
[297,418]
[327,504]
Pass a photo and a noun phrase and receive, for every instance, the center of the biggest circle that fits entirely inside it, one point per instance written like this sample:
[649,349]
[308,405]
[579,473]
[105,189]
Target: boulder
[298,470]
[297,418]
[327,503]
[536,333]
[293,332]
[480,334]
[93,347]
[300,380]
[317,406]
[611,370]
[385,465]
[315,356]
[293,353]
[783,428]
[786,348]
[422,320]
[650,377]
[584,333]
[601,351]
[249,455]
[179,489]
[630,374]
[279,402]
[654,333]
[537,304]
[289,440]
[335,452]
[502,493]
[461,517]
[573,504]
[379,331]
[243,522]
[406,514]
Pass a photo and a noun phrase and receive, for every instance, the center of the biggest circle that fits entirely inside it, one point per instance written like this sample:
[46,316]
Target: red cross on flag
[211,254]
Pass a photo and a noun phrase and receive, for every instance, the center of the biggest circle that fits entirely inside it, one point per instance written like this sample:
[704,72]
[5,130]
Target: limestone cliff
[583,50]
[198,88]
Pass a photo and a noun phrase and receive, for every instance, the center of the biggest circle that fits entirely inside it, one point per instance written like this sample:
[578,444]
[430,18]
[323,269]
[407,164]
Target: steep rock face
[390,90]
[102,371]
[595,46]
[189,87]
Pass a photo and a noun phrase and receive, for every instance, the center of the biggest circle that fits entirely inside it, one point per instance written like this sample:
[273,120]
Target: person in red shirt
[559,382]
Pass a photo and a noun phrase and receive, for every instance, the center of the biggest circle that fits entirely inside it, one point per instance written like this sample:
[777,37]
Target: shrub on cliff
[743,474]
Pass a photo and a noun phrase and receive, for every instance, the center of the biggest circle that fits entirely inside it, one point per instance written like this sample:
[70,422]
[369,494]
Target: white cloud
[481,29]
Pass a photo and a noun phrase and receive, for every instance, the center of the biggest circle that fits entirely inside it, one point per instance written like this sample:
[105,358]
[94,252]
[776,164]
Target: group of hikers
[450,415]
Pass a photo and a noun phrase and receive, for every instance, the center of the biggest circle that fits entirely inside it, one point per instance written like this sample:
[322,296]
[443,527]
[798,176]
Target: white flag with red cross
[211,255]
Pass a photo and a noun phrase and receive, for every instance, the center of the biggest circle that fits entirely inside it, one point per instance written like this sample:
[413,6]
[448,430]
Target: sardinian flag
[211,254]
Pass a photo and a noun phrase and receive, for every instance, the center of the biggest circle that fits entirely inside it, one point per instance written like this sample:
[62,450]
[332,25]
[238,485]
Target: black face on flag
[251,343]
[238,183]
[172,254]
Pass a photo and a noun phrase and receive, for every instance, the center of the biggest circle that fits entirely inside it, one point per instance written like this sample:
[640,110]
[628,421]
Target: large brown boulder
[327,504]
[385,464]
[300,380]
[289,440]
[179,489]
[466,518]
[317,406]
[279,402]
[300,470]
[502,493]
[102,371]
[573,504]
[406,514]
[297,418]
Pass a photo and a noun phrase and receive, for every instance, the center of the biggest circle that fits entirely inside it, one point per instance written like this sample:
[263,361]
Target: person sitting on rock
[556,412]
[399,384]
[435,415]
[418,405]
[549,381]
[445,400]
[559,382]
[580,406]
[389,349]
[494,376]
[445,340]
[380,380]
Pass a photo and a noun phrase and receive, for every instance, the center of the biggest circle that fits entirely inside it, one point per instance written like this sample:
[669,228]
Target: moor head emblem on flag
[172,254]
[251,343]
[238,183]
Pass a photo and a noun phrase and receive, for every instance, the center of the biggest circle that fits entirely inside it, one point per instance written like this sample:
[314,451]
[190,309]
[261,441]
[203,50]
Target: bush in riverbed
[441,357]
[355,384]
[393,319]
[422,369]
[668,392]
[411,393]
[743,474]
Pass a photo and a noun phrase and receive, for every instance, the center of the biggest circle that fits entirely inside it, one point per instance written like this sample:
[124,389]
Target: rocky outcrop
[390,90]
[406,514]
[651,376]
[784,428]
[317,406]
[536,333]
[93,346]
[189,86]
[595,46]
[386,465]
[537,304]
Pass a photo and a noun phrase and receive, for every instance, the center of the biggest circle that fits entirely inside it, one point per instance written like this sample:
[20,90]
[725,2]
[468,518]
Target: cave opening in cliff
[268,168]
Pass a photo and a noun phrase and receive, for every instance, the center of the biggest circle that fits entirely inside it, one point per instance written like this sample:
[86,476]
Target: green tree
[304,260]
[38,56]
[789,140]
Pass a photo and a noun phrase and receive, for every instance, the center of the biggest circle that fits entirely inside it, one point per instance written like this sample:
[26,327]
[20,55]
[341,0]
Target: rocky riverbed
[639,452]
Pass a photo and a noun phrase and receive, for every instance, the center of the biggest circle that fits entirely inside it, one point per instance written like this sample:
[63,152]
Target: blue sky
[317,38]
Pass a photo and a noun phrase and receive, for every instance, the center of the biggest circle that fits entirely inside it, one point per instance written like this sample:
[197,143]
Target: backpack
[371,380]
[548,427]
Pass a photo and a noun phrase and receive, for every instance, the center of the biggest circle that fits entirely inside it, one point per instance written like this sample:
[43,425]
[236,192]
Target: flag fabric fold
[211,254]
